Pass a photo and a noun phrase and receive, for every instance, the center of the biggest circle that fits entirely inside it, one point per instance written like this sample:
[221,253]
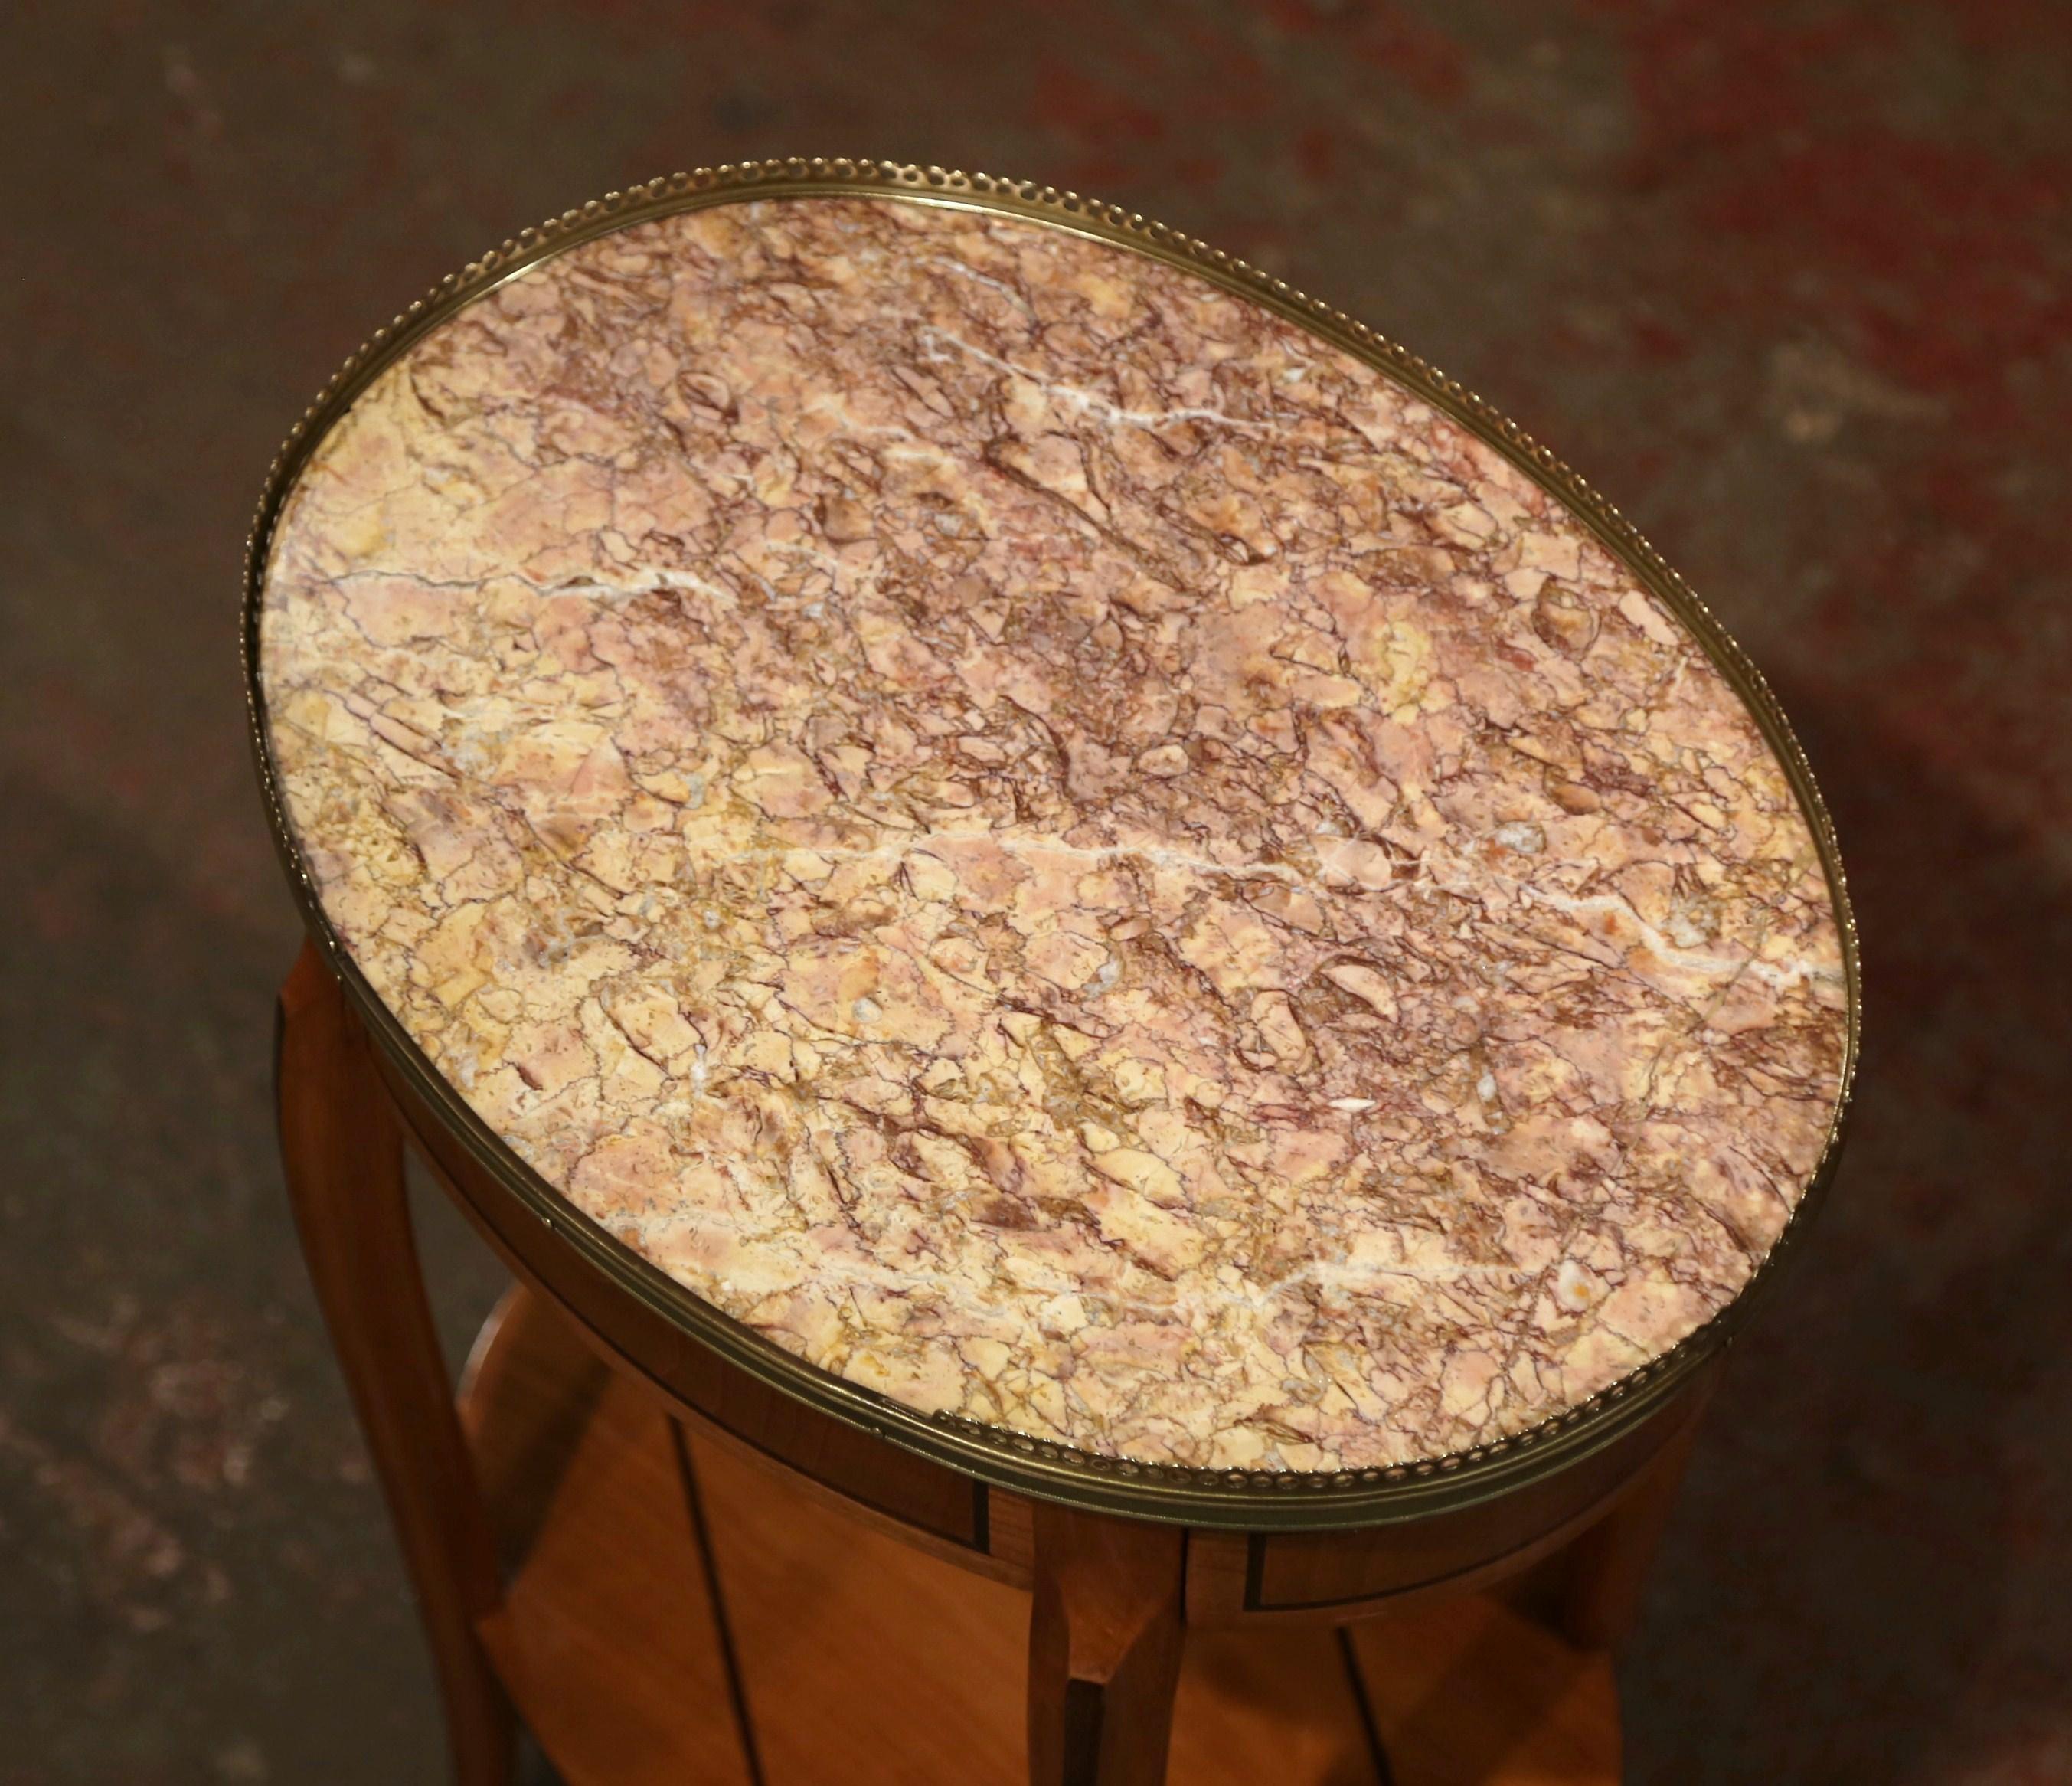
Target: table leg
[341,1145]
[1607,1578]
[1104,1639]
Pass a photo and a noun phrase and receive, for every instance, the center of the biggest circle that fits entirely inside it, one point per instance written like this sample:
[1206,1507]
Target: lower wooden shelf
[866,1663]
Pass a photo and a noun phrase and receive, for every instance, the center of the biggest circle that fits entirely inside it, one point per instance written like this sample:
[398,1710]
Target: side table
[1044,889]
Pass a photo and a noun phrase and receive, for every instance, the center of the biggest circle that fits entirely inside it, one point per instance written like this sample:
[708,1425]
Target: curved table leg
[1104,1635]
[342,1145]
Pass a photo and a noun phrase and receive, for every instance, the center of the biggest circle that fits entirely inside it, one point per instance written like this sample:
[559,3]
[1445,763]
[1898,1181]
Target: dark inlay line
[1377,1752]
[736,1689]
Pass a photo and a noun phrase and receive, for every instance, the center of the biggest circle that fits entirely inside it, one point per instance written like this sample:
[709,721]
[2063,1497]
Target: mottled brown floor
[1790,281]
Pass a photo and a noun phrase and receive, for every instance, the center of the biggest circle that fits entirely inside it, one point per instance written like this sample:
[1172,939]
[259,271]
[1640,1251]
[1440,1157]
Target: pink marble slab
[1050,841]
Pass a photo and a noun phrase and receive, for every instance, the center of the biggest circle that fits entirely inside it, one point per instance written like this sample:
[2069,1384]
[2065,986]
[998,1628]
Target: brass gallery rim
[1296,1495]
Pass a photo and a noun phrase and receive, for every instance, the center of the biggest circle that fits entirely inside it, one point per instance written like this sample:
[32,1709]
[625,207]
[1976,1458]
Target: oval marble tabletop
[1048,839]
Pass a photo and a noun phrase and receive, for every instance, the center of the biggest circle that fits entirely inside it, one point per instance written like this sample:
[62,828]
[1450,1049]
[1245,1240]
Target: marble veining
[1049,841]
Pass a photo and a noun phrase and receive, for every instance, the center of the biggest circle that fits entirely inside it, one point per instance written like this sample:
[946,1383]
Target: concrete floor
[1790,280]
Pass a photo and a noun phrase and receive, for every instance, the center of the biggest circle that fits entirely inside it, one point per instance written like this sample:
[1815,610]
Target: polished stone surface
[1051,842]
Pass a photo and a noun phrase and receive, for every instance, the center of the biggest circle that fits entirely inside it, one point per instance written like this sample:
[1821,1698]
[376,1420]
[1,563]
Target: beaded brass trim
[1230,1498]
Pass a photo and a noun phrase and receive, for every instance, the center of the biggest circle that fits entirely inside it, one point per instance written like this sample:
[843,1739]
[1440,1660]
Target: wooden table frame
[1110,1597]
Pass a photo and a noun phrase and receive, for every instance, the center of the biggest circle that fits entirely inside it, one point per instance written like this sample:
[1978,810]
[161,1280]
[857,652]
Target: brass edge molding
[1237,1500]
